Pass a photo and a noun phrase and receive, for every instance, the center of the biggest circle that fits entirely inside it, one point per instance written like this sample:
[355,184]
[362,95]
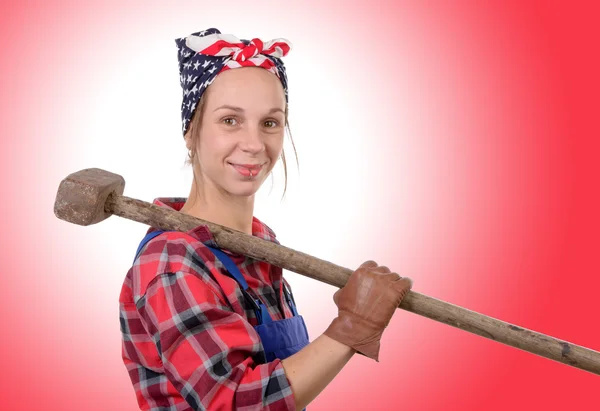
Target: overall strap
[262,313]
[289,298]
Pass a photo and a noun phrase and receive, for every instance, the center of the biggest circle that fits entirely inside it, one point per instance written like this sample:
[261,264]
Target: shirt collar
[203,234]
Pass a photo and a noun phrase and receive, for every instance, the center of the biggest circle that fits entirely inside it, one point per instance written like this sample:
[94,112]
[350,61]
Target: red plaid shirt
[188,332]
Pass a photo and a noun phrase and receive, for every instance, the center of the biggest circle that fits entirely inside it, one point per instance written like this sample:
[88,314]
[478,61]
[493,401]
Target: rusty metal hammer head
[82,195]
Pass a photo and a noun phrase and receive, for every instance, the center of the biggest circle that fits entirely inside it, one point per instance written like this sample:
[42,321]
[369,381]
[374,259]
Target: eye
[230,121]
[270,123]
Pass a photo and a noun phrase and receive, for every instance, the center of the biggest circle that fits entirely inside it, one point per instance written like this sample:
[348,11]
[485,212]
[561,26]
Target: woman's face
[241,131]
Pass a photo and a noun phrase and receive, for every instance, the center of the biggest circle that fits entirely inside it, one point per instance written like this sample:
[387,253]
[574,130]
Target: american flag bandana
[205,54]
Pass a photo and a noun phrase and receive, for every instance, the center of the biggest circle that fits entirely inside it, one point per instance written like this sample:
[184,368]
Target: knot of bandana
[251,50]
[205,54]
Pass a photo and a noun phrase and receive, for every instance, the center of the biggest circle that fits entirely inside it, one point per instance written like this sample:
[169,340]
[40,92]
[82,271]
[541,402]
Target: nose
[252,141]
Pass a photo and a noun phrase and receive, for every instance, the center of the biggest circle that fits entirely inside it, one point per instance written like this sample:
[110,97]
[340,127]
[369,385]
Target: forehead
[246,86]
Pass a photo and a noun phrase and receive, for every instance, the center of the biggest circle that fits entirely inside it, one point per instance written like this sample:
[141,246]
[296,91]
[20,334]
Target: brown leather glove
[366,305]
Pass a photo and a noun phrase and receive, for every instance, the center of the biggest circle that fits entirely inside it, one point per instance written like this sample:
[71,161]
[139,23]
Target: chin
[239,189]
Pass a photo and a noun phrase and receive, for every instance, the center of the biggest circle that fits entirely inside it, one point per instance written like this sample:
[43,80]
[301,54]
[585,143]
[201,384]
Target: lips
[247,170]
[251,166]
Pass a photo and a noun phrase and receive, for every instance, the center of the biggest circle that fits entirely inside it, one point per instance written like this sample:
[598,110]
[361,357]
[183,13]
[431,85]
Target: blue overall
[281,338]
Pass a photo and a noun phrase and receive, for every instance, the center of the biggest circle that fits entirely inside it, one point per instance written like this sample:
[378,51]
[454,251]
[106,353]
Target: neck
[209,203]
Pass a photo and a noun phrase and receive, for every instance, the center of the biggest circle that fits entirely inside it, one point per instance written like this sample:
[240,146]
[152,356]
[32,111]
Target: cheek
[274,145]
[212,147]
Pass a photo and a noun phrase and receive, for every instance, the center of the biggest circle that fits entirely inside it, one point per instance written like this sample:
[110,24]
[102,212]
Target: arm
[314,367]
[207,349]
[366,305]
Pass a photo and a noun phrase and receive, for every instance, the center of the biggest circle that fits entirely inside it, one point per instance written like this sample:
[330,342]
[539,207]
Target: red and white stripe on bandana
[240,54]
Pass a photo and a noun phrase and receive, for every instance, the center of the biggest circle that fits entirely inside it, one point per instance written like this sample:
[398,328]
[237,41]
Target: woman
[205,328]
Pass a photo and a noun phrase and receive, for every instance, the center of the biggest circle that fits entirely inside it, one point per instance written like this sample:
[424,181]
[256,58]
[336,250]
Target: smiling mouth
[247,170]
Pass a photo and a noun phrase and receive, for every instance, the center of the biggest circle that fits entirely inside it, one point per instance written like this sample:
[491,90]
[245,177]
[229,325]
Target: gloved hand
[366,305]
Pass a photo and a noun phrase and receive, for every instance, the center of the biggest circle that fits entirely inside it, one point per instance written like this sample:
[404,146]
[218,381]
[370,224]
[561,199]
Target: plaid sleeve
[207,349]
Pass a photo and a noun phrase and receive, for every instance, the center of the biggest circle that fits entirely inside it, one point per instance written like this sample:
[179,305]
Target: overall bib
[281,338]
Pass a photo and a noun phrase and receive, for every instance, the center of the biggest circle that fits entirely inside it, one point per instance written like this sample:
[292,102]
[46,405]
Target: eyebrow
[241,110]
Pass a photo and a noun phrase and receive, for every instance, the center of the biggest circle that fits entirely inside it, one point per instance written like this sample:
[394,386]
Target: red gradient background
[466,156]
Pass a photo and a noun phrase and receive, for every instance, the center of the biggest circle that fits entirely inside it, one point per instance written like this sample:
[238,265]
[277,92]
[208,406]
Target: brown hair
[193,131]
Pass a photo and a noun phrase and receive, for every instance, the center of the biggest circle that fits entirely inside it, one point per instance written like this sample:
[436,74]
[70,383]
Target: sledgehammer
[92,195]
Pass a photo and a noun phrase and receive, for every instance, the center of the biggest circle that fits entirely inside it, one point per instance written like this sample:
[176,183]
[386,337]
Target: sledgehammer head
[81,196]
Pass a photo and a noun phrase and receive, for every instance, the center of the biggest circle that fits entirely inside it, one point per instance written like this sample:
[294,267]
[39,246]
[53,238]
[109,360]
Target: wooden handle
[329,273]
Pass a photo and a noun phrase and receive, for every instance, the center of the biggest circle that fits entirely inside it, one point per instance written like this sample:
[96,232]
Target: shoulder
[171,253]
